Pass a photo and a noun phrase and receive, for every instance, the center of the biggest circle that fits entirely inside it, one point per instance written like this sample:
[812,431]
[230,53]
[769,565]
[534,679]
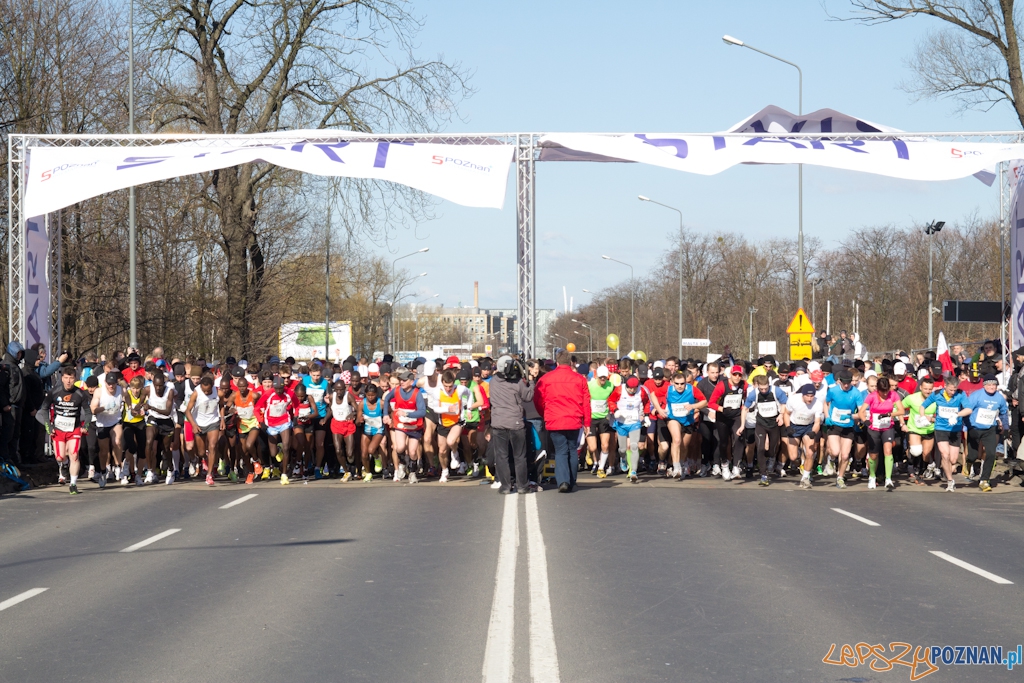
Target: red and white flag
[942,353]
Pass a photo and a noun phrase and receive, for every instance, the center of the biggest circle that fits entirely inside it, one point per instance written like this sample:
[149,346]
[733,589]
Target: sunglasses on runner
[679,384]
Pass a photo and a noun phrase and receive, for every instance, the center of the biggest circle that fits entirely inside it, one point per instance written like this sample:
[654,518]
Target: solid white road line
[543,654]
[856,517]
[498,654]
[239,501]
[971,568]
[21,598]
[151,539]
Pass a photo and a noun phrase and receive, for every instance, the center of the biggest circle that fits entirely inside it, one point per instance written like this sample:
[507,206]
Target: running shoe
[249,478]
[703,471]
[726,473]
[951,486]
[912,478]
[257,468]
[633,478]
[662,467]
[984,486]
[92,471]
[782,472]
[444,476]
[412,478]
[462,468]
[889,485]
[476,470]
[150,477]
[346,477]
[233,477]
[124,480]
[736,472]
[280,453]
[601,474]
[117,472]
[864,472]
[222,469]
[367,477]
[284,480]
[496,484]
[840,483]
[73,489]
[716,470]
[765,481]
[266,474]
[192,469]
[110,476]
[297,471]
[871,483]
[61,479]
[102,481]
[170,478]
[820,470]
[623,465]
[138,479]
[400,474]
[677,473]
[209,480]
[805,483]
[275,472]
[318,473]
[590,460]
[378,465]
[830,469]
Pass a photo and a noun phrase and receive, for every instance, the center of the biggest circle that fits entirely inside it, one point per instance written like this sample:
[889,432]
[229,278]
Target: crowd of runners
[135,421]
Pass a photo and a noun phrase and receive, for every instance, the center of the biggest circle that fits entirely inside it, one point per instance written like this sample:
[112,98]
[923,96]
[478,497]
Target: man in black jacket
[12,398]
[510,390]
[34,393]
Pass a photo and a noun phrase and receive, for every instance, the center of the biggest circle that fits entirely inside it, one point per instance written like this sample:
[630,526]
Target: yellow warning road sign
[800,324]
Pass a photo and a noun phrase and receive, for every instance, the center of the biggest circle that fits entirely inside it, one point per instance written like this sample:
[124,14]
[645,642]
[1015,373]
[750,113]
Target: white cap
[659,363]
[870,373]
[899,369]
[923,372]
[363,371]
[602,371]
[373,367]
[243,364]
[473,364]
[813,365]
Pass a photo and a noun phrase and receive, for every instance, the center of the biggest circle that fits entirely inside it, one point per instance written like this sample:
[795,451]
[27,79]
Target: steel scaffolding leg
[16,239]
[525,253]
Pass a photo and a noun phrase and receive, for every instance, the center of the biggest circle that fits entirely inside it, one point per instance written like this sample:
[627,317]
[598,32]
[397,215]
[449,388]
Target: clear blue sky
[662,67]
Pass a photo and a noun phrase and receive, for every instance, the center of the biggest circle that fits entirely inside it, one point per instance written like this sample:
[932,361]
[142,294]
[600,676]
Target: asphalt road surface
[660,581]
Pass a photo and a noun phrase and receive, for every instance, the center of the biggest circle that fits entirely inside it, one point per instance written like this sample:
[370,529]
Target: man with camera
[509,391]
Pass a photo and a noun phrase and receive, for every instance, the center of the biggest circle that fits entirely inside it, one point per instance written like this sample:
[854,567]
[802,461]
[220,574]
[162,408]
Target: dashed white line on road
[499,650]
[238,502]
[971,568]
[151,539]
[11,602]
[543,654]
[865,520]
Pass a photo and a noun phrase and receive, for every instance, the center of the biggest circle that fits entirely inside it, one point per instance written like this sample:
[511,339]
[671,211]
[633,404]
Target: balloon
[613,341]
[570,347]
[631,355]
[641,356]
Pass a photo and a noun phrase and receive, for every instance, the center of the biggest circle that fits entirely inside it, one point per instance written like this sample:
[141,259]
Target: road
[661,581]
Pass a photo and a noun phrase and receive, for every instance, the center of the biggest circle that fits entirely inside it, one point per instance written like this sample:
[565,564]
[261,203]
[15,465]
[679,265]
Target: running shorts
[276,431]
[343,427]
[164,427]
[800,431]
[952,438]
[601,426]
[841,432]
[65,437]
[878,437]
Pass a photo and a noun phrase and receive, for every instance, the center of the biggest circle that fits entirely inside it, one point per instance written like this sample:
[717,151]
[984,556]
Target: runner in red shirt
[276,411]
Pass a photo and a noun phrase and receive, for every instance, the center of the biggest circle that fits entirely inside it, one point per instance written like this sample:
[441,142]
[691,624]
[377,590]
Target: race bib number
[948,413]
[317,393]
[277,409]
[304,411]
[597,406]
[985,417]
[374,422]
[768,409]
[710,417]
[680,409]
[630,416]
[403,417]
[451,408]
[63,423]
[245,412]
[921,421]
[732,402]
[840,415]
[881,422]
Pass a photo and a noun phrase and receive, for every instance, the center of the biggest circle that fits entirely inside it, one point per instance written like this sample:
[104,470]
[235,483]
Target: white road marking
[151,539]
[971,568]
[11,602]
[499,651]
[543,654]
[238,502]
[856,517]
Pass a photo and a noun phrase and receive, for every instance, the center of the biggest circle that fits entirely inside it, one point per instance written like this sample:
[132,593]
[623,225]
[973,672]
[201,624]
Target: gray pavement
[662,581]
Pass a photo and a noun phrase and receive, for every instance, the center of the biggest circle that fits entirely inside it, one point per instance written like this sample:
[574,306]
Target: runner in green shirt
[600,389]
[920,432]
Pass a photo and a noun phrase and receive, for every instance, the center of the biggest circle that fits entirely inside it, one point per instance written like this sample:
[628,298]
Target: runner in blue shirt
[317,387]
[989,416]
[841,404]
[952,406]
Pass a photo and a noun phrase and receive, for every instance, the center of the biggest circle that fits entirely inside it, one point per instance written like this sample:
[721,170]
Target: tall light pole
[930,230]
[672,208]
[814,292]
[750,339]
[395,285]
[133,327]
[729,40]
[606,330]
[591,350]
[632,297]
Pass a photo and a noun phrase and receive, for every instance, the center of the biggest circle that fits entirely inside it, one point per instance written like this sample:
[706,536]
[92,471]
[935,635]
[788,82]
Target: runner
[306,416]
[471,425]
[601,431]
[67,402]
[243,403]
[878,410]
[371,418]
[806,413]
[276,411]
[343,425]
[727,403]
[133,424]
[106,406]
[447,401]
[404,410]
[989,417]
[842,402]
[658,438]
[628,403]
[951,408]
[681,400]
[203,412]
[159,398]
[769,406]
[920,426]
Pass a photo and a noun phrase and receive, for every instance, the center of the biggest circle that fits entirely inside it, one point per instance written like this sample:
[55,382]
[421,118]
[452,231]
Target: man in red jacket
[563,400]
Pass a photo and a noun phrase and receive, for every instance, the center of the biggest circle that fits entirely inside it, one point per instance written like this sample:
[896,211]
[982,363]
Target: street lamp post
[750,338]
[395,284]
[133,327]
[591,349]
[606,328]
[814,292]
[632,297]
[729,40]
[648,199]
[930,230]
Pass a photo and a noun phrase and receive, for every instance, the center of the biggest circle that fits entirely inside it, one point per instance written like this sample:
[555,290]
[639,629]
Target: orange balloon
[570,347]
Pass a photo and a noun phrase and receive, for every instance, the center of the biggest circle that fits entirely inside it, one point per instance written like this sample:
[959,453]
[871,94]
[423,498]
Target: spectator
[563,400]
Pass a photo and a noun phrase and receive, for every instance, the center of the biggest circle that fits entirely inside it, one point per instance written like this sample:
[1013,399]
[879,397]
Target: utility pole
[133,327]
[750,338]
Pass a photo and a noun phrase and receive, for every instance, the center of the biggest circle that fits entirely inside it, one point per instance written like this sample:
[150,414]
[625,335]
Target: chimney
[476,294]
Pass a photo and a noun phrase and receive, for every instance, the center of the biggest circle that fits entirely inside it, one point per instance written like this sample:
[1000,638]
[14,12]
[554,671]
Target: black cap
[278,383]
[92,381]
[658,373]
[230,360]
[769,359]
[808,389]
[388,358]
[845,375]
[237,372]
[465,375]
[178,369]
[989,378]
[133,356]
[112,377]
[583,369]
